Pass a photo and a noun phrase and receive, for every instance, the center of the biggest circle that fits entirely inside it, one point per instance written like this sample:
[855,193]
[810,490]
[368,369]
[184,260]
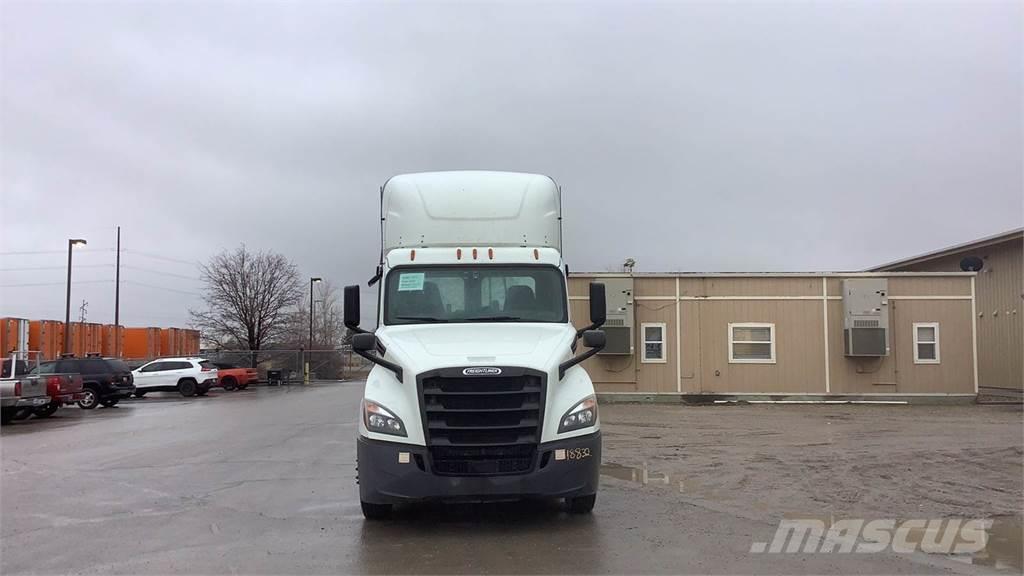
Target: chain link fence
[338,364]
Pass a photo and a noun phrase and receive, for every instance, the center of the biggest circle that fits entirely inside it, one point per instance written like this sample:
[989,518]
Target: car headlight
[579,416]
[379,419]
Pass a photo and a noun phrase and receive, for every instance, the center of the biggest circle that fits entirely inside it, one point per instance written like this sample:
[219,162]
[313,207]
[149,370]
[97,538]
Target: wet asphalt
[263,481]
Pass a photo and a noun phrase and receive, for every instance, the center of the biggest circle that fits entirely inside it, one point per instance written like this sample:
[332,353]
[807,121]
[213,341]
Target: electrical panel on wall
[618,328]
[866,316]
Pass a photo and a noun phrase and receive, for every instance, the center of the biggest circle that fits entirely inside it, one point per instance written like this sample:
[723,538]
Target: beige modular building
[1000,289]
[802,334]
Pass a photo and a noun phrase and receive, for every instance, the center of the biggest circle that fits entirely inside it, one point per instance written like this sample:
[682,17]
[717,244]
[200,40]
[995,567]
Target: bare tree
[247,296]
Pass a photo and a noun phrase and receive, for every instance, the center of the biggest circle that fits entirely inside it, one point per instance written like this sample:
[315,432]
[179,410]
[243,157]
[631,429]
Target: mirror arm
[382,363]
[593,326]
[576,360]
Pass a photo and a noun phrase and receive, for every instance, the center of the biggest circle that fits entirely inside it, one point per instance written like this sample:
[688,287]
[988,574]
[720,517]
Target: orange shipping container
[141,343]
[46,337]
[13,336]
[113,340]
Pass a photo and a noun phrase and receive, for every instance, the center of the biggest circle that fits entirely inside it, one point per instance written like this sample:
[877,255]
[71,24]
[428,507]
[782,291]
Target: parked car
[187,376]
[231,377]
[105,381]
[19,394]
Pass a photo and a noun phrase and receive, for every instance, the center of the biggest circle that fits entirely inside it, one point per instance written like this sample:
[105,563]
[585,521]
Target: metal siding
[999,287]
[798,347]
[955,372]
[657,377]
[763,287]
[948,286]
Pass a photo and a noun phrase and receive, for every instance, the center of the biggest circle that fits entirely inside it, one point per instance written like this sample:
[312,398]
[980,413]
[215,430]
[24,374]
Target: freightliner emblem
[481,371]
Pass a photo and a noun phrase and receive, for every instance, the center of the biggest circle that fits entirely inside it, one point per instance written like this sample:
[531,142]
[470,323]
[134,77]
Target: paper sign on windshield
[410,281]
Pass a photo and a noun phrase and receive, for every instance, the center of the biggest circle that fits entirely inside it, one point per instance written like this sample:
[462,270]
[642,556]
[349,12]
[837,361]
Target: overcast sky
[698,137]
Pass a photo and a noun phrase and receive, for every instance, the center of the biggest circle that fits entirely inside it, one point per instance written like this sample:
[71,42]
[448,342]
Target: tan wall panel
[690,346]
[579,286]
[955,373]
[769,286]
[691,286]
[656,377]
[799,350]
[648,287]
[930,286]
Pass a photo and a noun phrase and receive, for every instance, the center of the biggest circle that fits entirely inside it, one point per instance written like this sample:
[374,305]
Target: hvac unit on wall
[618,327]
[866,316]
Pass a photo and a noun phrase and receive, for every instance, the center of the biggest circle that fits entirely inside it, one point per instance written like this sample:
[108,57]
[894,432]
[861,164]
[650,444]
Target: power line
[34,252]
[27,268]
[56,283]
[159,257]
[132,282]
[141,269]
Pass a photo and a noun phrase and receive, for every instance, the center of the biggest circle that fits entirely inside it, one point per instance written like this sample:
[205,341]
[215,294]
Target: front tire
[46,411]
[230,384]
[375,511]
[139,394]
[90,399]
[582,504]
[187,388]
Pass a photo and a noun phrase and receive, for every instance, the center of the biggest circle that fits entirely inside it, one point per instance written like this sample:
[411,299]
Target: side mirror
[598,307]
[352,308]
[364,342]
[594,339]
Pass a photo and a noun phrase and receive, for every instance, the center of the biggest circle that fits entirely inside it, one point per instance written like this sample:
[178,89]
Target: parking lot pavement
[263,481]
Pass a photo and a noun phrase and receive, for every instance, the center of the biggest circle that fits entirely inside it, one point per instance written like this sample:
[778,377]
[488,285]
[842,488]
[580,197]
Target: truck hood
[425,347]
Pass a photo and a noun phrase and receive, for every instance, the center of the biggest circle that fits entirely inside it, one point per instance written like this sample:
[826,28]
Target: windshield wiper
[422,318]
[492,319]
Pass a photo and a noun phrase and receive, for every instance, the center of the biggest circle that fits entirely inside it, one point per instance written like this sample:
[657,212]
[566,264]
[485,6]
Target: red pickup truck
[62,389]
[231,377]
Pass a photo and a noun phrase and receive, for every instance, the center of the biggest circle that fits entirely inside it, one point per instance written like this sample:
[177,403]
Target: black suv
[104,380]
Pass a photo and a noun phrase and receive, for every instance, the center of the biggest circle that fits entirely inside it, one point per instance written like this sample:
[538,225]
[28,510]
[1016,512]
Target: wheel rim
[89,399]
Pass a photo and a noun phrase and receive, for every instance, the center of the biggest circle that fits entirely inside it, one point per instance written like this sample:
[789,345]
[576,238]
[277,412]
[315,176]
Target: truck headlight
[579,416]
[379,419]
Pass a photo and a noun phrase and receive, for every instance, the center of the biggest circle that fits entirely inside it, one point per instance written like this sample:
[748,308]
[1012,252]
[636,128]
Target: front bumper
[563,469]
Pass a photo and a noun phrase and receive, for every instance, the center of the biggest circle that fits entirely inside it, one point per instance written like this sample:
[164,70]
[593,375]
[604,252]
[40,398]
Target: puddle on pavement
[1004,548]
[644,476]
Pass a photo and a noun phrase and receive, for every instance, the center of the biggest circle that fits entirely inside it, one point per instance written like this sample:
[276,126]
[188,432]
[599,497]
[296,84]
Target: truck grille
[482,425]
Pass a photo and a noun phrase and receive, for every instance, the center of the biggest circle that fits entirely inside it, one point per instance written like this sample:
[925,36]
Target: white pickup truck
[476,394]
[20,393]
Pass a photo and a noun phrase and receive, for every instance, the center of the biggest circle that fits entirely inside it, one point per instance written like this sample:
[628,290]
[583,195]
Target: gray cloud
[688,136]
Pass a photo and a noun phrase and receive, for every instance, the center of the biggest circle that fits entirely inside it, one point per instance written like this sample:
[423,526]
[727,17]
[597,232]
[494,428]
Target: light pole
[67,308]
[311,282]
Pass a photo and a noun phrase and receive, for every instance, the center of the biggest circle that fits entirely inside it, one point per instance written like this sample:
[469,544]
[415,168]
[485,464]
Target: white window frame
[732,357]
[917,351]
[643,342]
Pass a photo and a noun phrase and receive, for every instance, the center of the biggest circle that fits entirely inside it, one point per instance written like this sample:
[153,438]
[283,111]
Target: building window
[752,343]
[926,342]
[654,342]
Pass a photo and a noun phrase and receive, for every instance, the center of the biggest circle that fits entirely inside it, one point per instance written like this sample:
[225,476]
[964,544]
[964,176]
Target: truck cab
[476,393]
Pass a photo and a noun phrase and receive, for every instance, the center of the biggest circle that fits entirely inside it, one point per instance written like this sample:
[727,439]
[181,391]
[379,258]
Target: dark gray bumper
[563,469]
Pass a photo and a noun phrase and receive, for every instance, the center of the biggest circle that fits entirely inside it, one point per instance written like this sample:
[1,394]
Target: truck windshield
[438,294]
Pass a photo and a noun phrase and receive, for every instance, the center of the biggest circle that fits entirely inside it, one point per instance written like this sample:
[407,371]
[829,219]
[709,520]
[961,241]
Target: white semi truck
[476,393]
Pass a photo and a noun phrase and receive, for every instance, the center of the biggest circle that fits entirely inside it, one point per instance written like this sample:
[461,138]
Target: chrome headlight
[579,416]
[381,420]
